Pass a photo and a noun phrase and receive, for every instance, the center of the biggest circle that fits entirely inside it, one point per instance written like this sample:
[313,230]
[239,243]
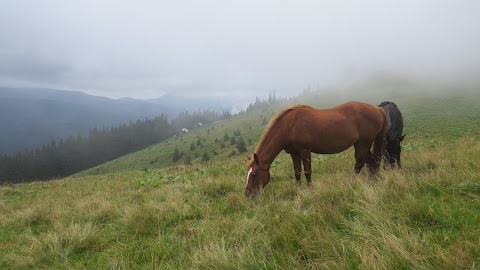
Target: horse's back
[365,116]
[354,114]
[334,130]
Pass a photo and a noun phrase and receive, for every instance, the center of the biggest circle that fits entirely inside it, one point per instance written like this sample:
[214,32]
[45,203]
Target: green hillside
[144,211]
[425,110]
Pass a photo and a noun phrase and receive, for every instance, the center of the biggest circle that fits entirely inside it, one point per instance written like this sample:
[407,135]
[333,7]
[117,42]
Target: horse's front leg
[297,167]
[307,166]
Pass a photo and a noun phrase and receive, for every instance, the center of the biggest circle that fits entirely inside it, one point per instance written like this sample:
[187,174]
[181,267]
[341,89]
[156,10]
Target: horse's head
[257,177]
[392,145]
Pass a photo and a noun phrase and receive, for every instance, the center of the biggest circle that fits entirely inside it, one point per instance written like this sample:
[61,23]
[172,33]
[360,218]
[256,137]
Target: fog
[144,49]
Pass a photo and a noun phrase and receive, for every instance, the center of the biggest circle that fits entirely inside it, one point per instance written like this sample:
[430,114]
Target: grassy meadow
[144,211]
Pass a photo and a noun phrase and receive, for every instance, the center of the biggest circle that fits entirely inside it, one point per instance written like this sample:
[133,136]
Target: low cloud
[248,48]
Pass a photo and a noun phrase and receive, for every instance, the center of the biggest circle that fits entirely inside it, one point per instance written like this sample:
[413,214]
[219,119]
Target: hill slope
[424,113]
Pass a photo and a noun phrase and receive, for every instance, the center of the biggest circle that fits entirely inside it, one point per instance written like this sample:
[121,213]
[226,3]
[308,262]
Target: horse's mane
[395,119]
[269,128]
[385,103]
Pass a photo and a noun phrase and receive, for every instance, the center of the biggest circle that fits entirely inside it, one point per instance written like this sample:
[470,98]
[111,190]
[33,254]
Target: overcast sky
[143,49]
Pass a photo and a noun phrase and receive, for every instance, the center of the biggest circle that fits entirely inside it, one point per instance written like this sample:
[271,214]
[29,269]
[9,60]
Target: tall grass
[423,217]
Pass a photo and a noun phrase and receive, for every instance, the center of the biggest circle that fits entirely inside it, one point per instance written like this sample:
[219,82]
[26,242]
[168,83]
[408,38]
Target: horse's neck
[272,145]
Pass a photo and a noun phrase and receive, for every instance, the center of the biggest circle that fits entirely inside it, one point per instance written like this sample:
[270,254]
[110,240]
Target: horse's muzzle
[250,193]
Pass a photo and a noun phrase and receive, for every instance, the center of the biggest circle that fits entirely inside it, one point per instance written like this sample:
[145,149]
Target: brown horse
[301,130]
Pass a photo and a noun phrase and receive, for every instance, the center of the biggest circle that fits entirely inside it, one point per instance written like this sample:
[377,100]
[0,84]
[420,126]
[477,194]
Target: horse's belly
[331,149]
[335,144]
[340,141]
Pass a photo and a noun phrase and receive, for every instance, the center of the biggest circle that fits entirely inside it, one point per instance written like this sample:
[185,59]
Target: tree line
[262,104]
[67,156]
[64,157]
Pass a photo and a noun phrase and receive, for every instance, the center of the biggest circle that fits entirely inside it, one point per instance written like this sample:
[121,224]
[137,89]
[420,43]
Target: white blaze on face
[248,175]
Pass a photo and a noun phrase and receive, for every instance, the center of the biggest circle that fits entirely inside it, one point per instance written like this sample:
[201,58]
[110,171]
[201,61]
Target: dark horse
[301,130]
[394,134]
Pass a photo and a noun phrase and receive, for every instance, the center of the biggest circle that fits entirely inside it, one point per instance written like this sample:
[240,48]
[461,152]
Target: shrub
[233,153]
[177,155]
[205,157]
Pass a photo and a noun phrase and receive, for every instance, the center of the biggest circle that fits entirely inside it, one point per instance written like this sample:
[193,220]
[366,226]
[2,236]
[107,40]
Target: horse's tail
[378,144]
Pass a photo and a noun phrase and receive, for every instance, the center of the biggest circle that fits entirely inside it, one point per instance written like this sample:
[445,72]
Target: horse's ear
[249,157]
[255,156]
[403,136]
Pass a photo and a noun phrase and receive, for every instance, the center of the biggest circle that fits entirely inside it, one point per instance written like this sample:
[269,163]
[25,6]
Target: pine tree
[241,145]
[188,160]
[177,155]
[205,157]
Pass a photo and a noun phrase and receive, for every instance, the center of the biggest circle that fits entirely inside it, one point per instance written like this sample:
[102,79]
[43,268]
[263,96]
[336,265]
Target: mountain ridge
[35,116]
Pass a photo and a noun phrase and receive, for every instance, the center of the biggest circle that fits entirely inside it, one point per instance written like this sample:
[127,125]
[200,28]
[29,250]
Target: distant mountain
[35,116]
[191,103]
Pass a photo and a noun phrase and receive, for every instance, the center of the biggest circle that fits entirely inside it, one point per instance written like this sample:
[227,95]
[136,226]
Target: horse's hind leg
[362,156]
[359,162]
[297,167]
[372,164]
[307,165]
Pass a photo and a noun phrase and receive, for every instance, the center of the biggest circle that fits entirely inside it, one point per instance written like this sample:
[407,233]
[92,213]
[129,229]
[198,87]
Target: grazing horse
[301,130]
[394,135]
